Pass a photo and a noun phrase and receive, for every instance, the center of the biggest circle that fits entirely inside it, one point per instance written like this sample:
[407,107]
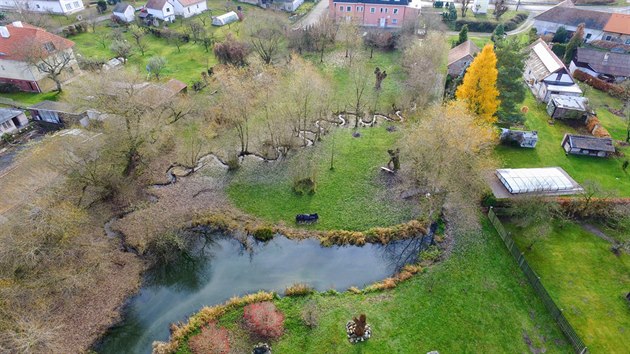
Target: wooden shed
[587,145]
[567,107]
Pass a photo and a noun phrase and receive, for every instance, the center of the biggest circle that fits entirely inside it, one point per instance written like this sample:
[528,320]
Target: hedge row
[612,89]
[489,26]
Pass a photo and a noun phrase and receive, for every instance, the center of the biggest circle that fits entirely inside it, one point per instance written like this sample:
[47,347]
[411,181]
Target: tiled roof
[572,16]
[462,50]
[542,61]
[121,7]
[189,2]
[618,23]
[615,64]
[14,47]
[155,4]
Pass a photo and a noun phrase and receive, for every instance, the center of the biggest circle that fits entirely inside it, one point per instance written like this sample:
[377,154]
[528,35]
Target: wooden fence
[534,280]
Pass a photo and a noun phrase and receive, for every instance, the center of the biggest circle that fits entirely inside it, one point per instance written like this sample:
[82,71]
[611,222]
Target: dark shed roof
[590,143]
[8,113]
[120,7]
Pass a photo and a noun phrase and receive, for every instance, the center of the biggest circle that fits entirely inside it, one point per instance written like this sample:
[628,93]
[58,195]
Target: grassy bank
[587,281]
[548,152]
[475,301]
[353,196]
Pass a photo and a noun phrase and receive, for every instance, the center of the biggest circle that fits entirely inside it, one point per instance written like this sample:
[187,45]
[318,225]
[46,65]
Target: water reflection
[221,267]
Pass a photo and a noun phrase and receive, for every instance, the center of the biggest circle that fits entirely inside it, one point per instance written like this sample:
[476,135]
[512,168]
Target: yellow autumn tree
[479,88]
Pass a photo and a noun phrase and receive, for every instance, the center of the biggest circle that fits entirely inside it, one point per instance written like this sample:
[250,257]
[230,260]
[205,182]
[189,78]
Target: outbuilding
[567,107]
[521,138]
[124,12]
[12,120]
[547,180]
[58,113]
[224,19]
[587,145]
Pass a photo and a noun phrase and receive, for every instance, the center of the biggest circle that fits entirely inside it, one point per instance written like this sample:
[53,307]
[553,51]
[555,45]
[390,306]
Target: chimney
[17,24]
[4,32]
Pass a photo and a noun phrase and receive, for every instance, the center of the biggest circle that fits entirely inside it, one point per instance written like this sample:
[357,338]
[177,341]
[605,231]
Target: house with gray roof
[546,74]
[124,12]
[568,16]
[460,57]
[12,120]
[587,145]
[598,63]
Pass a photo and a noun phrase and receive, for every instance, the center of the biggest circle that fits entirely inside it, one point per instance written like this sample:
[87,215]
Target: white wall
[480,6]
[544,27]
[167,13]
[189,11]
[18,70]
[293,5]
[57,7]
[127,16]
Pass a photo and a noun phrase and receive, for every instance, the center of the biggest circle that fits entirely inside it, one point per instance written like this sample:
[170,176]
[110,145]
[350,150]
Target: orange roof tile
[14,47]
[618,23]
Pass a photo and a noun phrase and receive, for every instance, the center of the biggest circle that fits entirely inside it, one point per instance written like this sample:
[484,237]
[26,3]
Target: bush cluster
[612,89]
[489,26]
[165,33]
[211,340]
[263,233]
[90,64]
[298,290]
[75,29]
[231,51]
[263,319]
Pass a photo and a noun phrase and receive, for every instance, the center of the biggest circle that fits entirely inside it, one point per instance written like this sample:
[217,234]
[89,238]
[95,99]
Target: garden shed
[521,138]
[567,107]
[56,113]
[548,180]
[11,120]
[224,19]
[587,145]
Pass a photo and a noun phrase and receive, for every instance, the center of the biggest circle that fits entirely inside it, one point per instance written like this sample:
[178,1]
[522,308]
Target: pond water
[223,268]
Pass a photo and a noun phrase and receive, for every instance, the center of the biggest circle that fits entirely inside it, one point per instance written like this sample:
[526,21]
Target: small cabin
[57,113]
[587,145]
[12,120]
[225,19]
[526,139]
[567,107]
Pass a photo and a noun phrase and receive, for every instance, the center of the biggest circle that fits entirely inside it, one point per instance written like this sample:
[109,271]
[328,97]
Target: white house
[568,16]
[187,8]
[124,12]
[21,45]
[546,75]
[11,120]
[480,6]
[64,7]
[161,9]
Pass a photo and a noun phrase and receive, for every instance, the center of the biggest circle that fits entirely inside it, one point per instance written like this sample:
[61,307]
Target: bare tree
[324,34]
[349,33]
[52,58]
[465,4]
[500,7]
[138,33]
[175,38]
[101,37]
[196,30]
[266,35]
[359,77]
[156,65]
[121,49]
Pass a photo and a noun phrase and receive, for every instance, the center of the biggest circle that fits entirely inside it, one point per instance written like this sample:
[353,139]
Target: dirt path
[597,232]
[312,17]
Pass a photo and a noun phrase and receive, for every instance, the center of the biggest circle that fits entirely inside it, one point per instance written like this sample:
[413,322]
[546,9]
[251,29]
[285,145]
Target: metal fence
[534,280]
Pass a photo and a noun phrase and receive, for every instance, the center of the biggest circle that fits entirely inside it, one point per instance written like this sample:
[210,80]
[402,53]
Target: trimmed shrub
[263,319]
[298,290]
[231,51]
[264,233]
[211,340]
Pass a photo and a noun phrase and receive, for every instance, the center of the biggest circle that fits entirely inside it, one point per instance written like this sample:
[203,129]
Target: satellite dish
[79,17]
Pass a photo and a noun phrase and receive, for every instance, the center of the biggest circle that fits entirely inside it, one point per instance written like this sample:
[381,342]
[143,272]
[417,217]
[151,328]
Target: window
[76,4]
[588,35]
[628,41]
[189,10]
[372,10]
[168,9]
[395,11]
[382,10]
[349,9]
[50,47]
[359,8]
[38,6]
[68,7]
[608,38]
[341,8]
[394,21]
[197,5]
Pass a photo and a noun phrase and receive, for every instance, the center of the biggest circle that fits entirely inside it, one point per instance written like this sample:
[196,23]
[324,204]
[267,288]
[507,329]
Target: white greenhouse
[224,19]
[550,180]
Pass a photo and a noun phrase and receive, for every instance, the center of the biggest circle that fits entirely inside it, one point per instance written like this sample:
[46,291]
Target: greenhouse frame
[549,180]
[224,19]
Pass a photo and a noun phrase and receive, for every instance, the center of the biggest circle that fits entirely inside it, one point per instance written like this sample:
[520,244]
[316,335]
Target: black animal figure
[306,218]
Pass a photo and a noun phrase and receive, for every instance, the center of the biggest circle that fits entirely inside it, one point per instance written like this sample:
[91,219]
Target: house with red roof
[31,58]
[187,8]
[161,9]
[566,15]
[375,13]
[618,29]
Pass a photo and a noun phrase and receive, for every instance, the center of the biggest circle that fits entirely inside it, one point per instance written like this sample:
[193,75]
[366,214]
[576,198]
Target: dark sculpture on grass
[262,348]
[358,330]
[394,160]
[380,76]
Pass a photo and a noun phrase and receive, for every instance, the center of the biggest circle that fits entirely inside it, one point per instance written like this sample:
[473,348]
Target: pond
[223,267]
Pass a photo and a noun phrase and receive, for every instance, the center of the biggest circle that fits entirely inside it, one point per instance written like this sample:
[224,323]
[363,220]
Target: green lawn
[353,196]
[476,301]
[29,98]
[587,281]
[606,171]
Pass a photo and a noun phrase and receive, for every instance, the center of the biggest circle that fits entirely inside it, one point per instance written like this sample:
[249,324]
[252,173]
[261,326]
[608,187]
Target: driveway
[314,15]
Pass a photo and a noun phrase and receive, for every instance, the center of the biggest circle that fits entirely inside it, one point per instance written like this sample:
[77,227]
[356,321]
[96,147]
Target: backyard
[607,172]
[477,300]
[586,280]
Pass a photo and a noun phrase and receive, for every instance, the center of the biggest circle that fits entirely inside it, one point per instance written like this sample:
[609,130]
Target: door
[382,22]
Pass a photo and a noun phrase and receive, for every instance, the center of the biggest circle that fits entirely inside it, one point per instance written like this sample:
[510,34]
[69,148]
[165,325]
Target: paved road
[314,15]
